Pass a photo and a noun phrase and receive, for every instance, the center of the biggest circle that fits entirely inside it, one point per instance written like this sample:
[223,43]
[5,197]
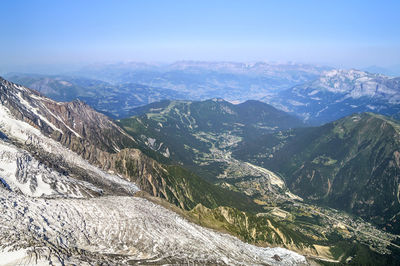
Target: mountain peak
[350,74]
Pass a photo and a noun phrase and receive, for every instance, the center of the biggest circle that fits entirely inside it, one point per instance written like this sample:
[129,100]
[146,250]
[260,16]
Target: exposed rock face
[138,168]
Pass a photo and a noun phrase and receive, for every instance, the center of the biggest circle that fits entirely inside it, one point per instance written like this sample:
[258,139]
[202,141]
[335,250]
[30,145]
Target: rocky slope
[338,93]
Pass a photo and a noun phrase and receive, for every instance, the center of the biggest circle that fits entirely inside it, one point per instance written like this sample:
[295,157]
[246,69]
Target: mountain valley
[234,168]
[216,148]
[41,172]
[350,164]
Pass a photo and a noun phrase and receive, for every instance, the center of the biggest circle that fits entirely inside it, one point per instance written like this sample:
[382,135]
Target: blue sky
[343,33]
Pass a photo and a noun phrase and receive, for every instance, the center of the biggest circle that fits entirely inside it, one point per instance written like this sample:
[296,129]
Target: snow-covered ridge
[338,93]
[355,84]
[18,95]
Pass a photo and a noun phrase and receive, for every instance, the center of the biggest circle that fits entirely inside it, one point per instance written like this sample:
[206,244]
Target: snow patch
[35,111]
[16,257]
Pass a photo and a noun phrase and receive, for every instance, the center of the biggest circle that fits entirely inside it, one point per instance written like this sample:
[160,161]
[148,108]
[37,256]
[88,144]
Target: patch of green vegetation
[325,160]
[308,219]
[351,253]
[192,130]
[193,190]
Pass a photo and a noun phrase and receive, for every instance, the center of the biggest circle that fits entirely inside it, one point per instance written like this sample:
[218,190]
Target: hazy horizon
[74,68]
[64,34]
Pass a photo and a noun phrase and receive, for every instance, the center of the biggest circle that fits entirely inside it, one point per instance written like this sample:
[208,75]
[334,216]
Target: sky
[338,33]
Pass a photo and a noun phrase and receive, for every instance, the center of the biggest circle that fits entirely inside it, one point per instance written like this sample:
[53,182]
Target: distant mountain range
[186,80]
[114,100]
[198,80]
[291,72]
[338,93]
[315,94]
